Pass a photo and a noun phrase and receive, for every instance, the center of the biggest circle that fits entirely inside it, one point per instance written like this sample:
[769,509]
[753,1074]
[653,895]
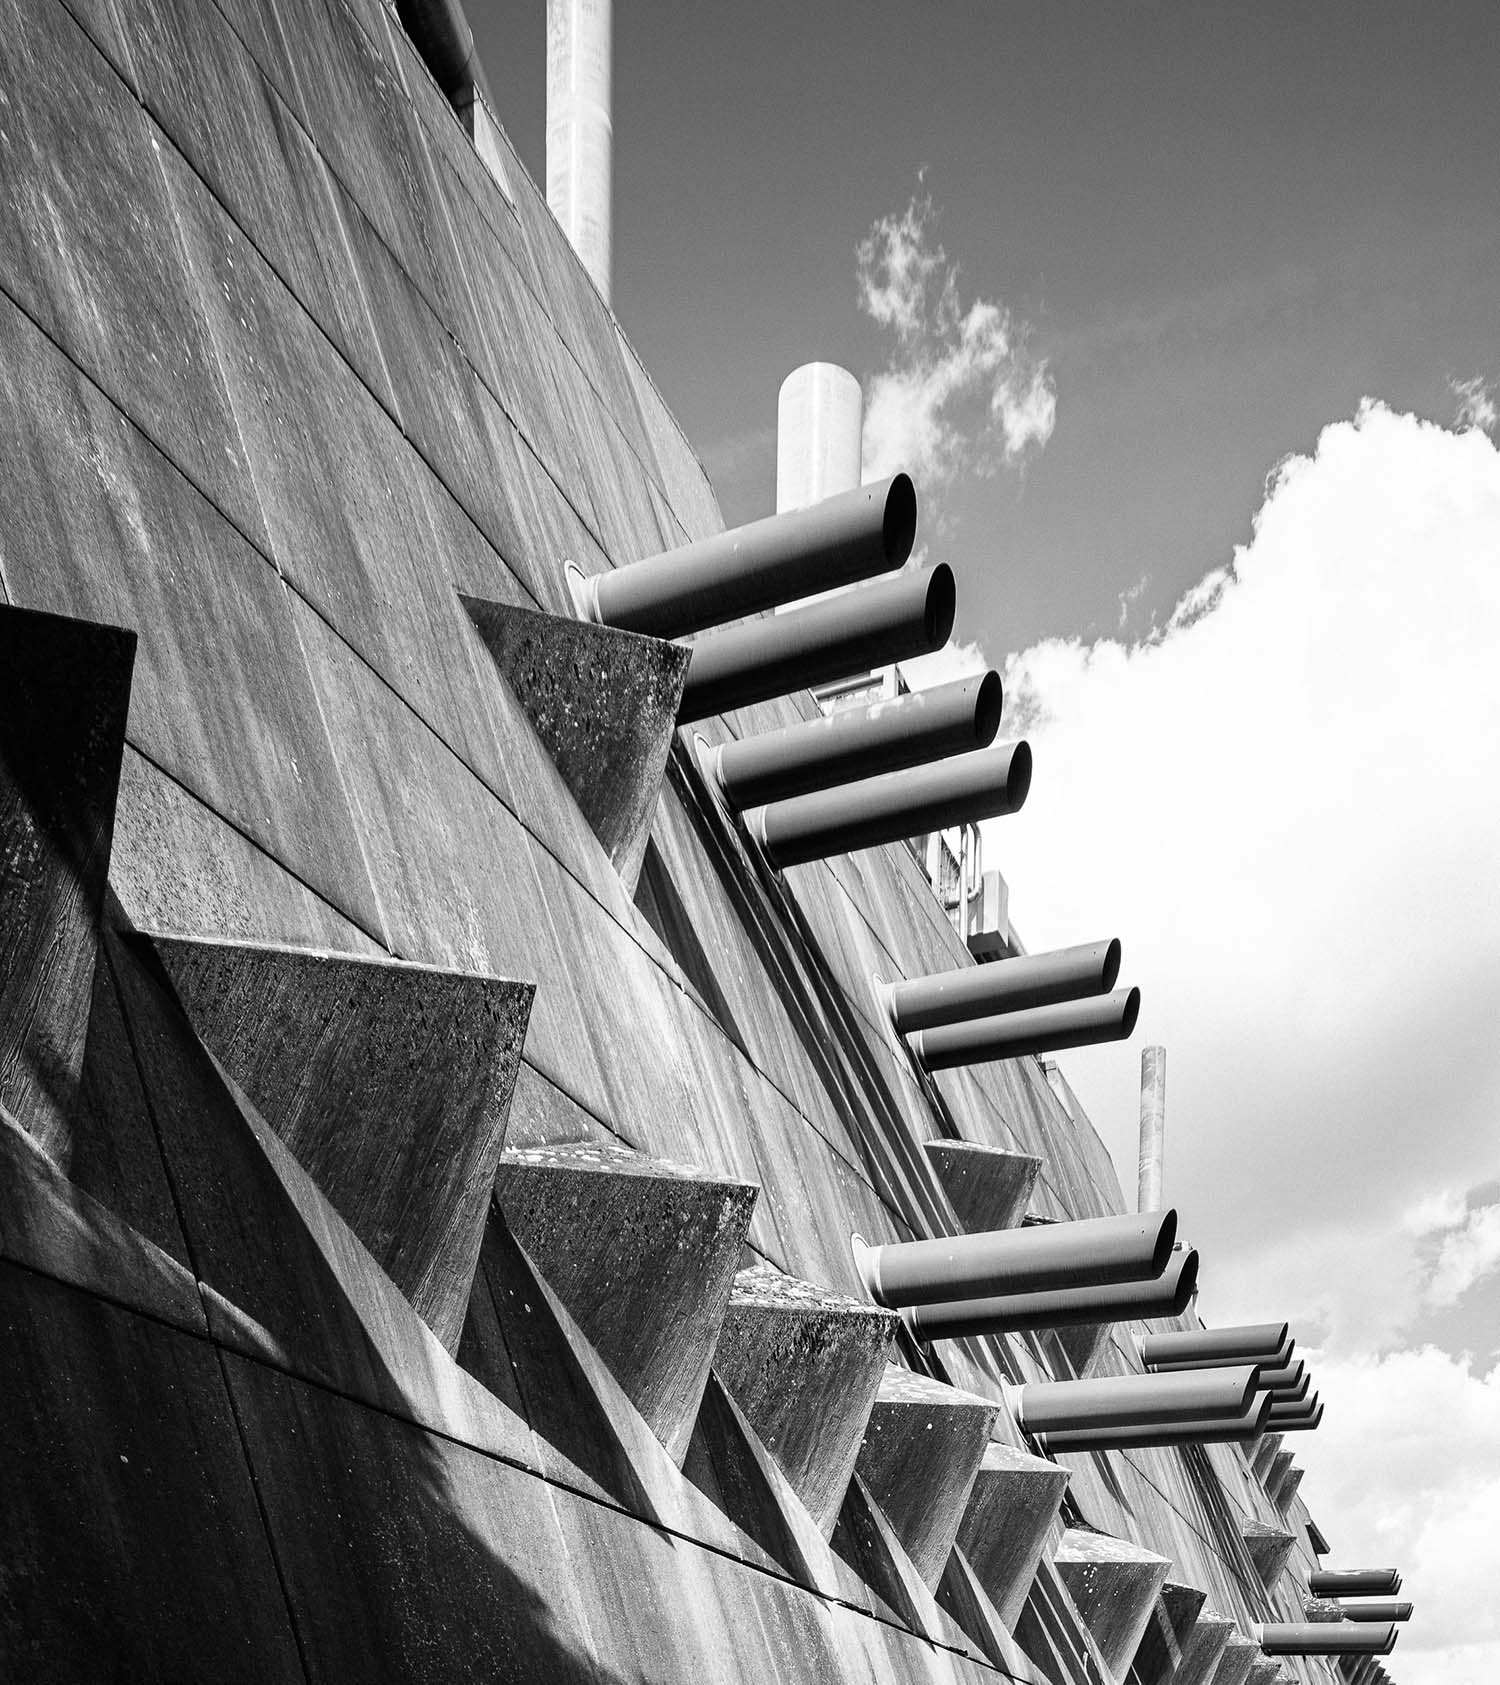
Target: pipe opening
[1187,1286]
[1111,973]
[1018,779]
[940,605]
[987,709]
[1131,1013]
[1166,1239]
[898,527]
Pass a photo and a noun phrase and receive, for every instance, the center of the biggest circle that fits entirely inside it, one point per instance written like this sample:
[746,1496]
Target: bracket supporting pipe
[1010,985]
[1096,1252]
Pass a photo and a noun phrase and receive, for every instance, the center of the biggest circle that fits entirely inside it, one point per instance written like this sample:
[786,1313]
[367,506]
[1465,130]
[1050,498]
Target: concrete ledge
[1158,1655]
[1275,1472]
[64,697]
[604,703]
[987,1187]
[1005,1525]
[1287,1488]
[920,1457]
[390,1082]
[804,1365]
[1269,1548]
[1203,1649]
[643,1254]
[1114,1586]
[1240,1655]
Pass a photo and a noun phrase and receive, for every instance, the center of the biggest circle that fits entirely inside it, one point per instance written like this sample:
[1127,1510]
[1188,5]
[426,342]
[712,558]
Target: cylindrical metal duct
[1325,1638]
[1011,985]
[1293,1392]
[1095,1252]
[1291,1411]
[580,129]
[1354,1582]
[1208,1430]
[1276,1378]
[877,624]
[1151,1158]
[1067,1307]
[854,743]
[893,806]
[1266,1343]
[1297,1424]
[776,560]
[1377,1609]
[1042,1029]
[440,32]
[819,427]
[1133,1401]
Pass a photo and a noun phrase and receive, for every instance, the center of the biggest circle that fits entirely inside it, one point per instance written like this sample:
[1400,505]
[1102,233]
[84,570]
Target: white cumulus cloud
[960,392]
[1476,403]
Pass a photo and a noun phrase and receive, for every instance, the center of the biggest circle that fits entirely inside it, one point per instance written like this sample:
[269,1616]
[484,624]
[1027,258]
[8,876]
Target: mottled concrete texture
[1010,1511]
[643,1254]
[1203,1649]
[922,1451]
[390,1082]
[1276,1472]
[1264,1670]
[1158,1656]
[64,695]
[804,1365]
[1113,1585]
[1055,1636]
[604,703]
[1286,1489]
[1269,1548]
[1240,1655]
[987,1187]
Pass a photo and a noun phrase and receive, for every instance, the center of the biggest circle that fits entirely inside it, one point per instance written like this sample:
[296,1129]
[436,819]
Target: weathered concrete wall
[284,378]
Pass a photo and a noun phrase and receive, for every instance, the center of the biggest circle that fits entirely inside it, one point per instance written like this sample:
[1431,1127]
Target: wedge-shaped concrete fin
[1159,1655]
[1269,1548]
[1286,1489]
[604,703]
[64,697]
[1004,1528]
[1203,1649]
[968,1604]
[1265,1451]
[1114,1586]
[987,1187]
[643,1254]
[922,1451]
[390,1082]
[1264,1670]
[1240,1655]
[1054,1634]
[1082,1344]
[804,1364]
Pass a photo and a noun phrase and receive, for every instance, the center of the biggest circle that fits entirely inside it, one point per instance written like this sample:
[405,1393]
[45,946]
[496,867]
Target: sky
[1187,321]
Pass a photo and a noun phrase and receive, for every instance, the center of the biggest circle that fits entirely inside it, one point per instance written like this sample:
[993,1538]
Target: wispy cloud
[961,392]
[1476,403]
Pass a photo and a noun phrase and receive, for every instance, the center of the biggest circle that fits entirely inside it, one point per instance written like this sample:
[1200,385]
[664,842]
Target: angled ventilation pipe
[1265,1343]
[893,806]
[769,562]
[1009,985]
[1042,1029]
[1325,1638]
[440,32]
[1354,1582]
[1285,1414]
[1281,1377]
[1133,1401]
[816,645]
[1167,1295]
[855,743]
[1205,1430]
[1376,1609]
[1096,1252]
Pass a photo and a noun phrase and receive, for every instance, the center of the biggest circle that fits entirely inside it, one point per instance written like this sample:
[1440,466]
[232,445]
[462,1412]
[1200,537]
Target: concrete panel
[921,1454]
[1007,1521]
[390,1082]
[642,1254]
[95,522]
[1240,1655]
[1159,1654]
[64,695]
[77,149]
[987,1187]
[1203,1649]
[604,703]
[1269,1549]
[1114,1586]
[962,1597]
[1053,1634]
[134,1546]
[804,1365]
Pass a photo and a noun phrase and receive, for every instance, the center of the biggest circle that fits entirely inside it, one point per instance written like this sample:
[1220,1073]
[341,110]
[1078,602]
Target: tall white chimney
[819,420]
[579,128]
[1153,1128]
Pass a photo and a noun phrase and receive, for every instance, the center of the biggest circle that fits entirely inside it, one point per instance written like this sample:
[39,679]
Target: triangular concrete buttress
[1114,1585]
[988,1187]
[1005,1525]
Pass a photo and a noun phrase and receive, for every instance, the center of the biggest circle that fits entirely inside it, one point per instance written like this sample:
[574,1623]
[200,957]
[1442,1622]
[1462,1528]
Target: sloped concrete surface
[1006,1522]
[987,1187]
[1114,1586]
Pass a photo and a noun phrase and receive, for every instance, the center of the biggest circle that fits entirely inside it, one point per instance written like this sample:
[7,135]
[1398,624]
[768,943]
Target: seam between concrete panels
[552,1481]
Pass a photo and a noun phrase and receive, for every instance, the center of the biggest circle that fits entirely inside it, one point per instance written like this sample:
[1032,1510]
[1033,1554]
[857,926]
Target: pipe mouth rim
[989,703]
[1166,1239]
[898,525]
[1018,775]
[1131,1013]
[939,605]
[1110,974]
[1187,1282]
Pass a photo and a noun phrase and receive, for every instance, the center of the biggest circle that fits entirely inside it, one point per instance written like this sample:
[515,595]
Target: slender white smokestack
[579,128]
[819,420]
[1153,1128]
